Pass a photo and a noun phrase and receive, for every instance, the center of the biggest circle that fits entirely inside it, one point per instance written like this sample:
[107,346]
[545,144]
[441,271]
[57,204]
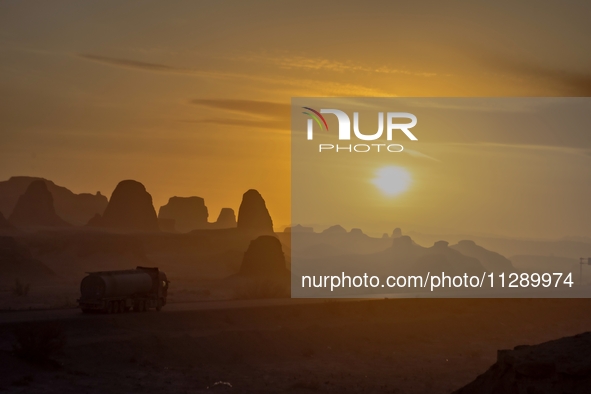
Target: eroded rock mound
[253,215]
[130,209]
[226,219]
[264,257]
[35,208]
[559,366]
[189,213]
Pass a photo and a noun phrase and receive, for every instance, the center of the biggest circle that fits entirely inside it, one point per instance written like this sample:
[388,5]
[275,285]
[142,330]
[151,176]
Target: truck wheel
[159,305]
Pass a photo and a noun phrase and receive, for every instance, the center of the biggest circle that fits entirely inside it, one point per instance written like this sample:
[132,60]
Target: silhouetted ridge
[35,208]
[441,258]
[492,261]
[189,213]
[253,215]
[73,208]
[336,229]
[559,366]
[264,256]
[130,209]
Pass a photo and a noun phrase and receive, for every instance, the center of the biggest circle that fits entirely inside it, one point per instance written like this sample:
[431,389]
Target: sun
[392,180]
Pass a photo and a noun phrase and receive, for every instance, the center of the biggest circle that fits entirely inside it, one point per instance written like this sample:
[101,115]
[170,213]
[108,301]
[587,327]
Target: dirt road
[385,346]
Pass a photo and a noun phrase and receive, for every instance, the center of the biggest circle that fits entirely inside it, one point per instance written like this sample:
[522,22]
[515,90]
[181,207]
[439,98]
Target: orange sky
[191,98]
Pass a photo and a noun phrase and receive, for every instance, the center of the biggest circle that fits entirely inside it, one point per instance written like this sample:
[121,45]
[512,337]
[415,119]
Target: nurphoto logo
[344,130]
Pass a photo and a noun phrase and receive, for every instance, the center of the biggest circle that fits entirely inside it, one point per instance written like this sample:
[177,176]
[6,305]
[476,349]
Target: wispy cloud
[278,125]
[529,147]
[251,107]
[133,64]
[323,64]
[259,114]
[419,155]
[293,86]
[564,82]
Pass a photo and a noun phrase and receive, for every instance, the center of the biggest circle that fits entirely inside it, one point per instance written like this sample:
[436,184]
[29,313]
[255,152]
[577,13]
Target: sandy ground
[383,346]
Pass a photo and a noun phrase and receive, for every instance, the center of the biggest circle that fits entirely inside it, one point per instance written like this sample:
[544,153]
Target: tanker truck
[137,289]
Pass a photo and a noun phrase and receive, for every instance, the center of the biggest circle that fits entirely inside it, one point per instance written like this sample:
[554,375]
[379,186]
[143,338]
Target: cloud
[323,64]
[133,64]
[419,155]
[259,114]
[573,83]
[261,124]
[251,107]
[578,151]
[565,82]
[294,86]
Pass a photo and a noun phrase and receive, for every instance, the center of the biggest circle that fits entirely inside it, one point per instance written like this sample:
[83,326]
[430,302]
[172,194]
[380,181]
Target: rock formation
[357,232]
[226,219]
[253,215]
[264,257]
[35,208]
[336,230]
[189,213]
[492,261]
[397,233]
[298,228]
[74,208]
[559,366]
[130,209]
[16,262]
[441,258]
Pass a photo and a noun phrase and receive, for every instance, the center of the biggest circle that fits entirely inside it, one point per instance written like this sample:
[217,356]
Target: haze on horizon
[193,98]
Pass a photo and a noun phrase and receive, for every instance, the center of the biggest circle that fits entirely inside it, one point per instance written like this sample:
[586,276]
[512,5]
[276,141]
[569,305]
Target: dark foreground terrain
[385,346]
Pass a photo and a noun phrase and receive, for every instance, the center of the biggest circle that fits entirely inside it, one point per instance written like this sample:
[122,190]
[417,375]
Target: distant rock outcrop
[492,261]
[35,208]
[130,209]
[336,230]
[189,213]
[357,232]
[298,228]
[559,366]
[441,258]
[16,262]
[397,233]
[74,208]
[226,219]
[253,215]
[264,257]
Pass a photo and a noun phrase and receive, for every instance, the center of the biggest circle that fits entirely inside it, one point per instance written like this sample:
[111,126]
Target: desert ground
[377,346]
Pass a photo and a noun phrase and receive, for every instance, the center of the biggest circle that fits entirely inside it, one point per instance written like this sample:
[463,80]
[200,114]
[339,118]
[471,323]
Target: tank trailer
[137,289]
